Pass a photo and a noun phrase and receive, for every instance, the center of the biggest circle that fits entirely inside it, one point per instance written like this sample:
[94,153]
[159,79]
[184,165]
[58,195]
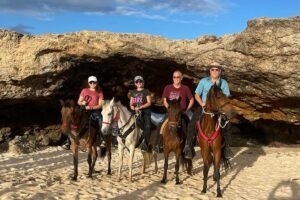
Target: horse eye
[109,114]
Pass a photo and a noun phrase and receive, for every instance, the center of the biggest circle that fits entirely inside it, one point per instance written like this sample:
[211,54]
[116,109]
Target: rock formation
[262,65]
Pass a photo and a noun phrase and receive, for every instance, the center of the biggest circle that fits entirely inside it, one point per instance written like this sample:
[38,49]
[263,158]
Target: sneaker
[188,152]
[144,146]
[66,145]
[158,149]
[103,143]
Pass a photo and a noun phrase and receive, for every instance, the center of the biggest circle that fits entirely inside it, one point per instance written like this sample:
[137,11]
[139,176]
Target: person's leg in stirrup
[227,141]
[191,130]
[159,138]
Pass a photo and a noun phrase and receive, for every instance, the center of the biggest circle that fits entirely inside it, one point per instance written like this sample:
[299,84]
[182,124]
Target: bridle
[113,119]
[221,115]
[175,123]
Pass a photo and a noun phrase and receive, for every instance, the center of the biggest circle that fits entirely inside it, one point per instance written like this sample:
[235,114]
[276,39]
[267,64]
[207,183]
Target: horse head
[218,103]
[109,115]
[67,110]
[174,114]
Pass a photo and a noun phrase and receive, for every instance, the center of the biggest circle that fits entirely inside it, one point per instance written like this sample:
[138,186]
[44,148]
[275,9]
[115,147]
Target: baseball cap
[138,78]
[92,78]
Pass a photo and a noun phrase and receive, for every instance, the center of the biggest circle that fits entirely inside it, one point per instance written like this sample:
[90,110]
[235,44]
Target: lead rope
[136,115]
[208,113]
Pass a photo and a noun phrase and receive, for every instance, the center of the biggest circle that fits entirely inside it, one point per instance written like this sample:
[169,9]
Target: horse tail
[225,162]
[103,151]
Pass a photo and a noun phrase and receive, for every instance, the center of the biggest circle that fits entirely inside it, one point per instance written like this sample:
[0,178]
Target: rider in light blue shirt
[206,83]
[200,96]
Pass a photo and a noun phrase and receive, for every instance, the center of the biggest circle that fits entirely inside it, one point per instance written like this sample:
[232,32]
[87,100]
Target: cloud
[150,9]
[20,28]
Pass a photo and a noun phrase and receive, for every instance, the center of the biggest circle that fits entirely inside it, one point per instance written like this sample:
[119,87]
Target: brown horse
[174,139]
[81,132]
[217,109]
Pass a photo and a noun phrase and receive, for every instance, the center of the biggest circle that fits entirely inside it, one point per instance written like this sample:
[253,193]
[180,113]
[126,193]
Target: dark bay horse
[174,139]
[209,136]
[78,125]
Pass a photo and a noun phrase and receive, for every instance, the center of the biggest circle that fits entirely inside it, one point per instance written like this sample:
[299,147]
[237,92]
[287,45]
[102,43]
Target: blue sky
[175,19]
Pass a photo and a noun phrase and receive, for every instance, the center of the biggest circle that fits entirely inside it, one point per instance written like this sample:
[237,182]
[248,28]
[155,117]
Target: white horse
[129,136]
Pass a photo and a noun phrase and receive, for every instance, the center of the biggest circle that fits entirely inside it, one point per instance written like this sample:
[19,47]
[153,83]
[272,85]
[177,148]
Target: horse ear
[62,103]
[112,101]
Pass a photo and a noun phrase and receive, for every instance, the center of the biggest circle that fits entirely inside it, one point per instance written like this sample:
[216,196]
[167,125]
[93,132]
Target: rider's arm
[191,103]
[166,103]
[225,88]
[131,103]
[199,100]
[147,104]
[191,99]
[98,106]
[199,91]
[81,101]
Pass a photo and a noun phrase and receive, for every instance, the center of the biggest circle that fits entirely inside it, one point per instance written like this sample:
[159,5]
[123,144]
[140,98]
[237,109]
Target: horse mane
[210,101]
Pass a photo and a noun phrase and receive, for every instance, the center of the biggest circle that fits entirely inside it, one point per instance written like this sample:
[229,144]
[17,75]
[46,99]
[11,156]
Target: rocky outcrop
[262,65]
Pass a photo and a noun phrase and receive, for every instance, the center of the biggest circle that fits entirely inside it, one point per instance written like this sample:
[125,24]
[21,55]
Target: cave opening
[115,75]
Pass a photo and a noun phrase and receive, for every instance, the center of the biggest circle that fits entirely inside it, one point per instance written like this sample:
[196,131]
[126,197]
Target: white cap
[138,78]
[92,78]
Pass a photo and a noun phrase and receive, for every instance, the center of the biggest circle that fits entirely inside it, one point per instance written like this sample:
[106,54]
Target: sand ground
[257,173]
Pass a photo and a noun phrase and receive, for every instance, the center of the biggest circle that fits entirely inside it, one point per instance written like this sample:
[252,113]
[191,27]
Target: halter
[218,125]
[175,123]
[115,119]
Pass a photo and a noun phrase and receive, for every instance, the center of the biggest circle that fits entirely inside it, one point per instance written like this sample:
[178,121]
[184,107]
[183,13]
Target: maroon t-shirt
[174,93]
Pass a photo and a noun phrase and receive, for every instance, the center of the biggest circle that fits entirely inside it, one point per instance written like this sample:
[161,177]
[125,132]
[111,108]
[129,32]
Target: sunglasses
[214,69]
[176,76]
[92,82]
[139,81]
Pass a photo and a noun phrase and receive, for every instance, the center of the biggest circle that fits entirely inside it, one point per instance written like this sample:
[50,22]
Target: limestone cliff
[262,65]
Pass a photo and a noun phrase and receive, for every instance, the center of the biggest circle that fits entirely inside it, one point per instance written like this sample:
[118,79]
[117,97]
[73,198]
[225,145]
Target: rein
[218,125]
[124,135]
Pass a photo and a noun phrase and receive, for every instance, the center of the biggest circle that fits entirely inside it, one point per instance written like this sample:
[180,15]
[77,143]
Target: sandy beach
[256,173]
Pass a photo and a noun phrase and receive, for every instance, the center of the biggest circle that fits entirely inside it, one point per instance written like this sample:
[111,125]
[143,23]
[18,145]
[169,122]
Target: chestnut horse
[77,123]
[174,139]
[209,136]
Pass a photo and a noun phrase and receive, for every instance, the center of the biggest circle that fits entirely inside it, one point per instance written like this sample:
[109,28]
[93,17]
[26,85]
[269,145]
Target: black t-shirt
[139,97]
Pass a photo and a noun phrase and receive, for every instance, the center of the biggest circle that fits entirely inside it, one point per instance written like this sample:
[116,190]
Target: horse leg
[121,154]
[164,179]
[155,161]
[190,166]
[108,146]
[177,168]
[94,157]
[89,160]
[216,176]
[145,157]
[131,152]
[207,160]
[74,148]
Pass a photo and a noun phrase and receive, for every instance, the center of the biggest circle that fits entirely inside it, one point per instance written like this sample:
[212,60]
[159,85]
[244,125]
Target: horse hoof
[163,181]
[108,173]
[203,191]
[74,178]
[178,183]
[219,195]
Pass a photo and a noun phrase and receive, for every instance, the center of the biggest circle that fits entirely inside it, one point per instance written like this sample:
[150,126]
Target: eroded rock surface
[262,65]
